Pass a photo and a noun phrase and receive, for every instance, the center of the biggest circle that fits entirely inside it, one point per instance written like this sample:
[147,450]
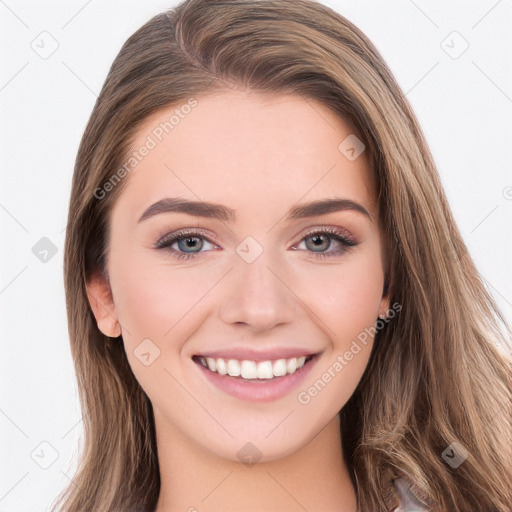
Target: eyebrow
[224,213]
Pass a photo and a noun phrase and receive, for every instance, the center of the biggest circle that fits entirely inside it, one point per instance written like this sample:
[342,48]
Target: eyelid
[326,228]
[335,233]
[182,233]
[303,233]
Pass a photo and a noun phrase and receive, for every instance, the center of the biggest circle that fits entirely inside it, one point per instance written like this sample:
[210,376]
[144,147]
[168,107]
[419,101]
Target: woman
[270,306]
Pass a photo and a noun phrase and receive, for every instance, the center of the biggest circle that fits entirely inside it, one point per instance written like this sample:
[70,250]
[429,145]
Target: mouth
[249,370]
[255,381]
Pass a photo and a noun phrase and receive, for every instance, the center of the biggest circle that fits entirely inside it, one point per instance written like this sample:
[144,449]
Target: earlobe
[384,308]
[100,298]
[385,302]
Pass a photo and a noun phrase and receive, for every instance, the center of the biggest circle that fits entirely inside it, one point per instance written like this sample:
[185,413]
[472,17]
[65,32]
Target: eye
[320,240]
[186,244]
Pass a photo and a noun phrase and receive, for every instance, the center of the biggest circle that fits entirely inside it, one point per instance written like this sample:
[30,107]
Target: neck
[194,479]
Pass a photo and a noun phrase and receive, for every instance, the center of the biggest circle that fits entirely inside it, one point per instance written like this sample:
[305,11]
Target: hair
[439,372]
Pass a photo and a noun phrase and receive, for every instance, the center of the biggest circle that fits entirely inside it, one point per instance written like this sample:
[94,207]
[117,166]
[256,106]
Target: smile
[255,381]
[251,370]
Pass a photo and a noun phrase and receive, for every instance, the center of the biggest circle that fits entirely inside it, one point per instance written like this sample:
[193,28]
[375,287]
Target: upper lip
[246,353]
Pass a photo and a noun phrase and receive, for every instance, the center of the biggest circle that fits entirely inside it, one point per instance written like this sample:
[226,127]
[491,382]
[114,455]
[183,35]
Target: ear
[100,298]
[385,301]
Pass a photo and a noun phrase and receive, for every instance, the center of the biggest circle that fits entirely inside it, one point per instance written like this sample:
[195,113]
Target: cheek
[163,305]
[346,297]
[346,300]
[157,301]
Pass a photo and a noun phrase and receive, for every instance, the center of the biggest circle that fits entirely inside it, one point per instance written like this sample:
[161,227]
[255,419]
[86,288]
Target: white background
[464,106]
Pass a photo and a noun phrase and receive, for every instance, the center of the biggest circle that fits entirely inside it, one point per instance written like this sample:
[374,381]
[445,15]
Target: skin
[259,154]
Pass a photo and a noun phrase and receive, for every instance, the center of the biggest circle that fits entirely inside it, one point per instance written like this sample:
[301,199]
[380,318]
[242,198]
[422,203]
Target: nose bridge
[255,295]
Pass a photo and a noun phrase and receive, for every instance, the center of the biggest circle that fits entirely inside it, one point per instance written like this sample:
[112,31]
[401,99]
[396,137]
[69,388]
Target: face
[245,271]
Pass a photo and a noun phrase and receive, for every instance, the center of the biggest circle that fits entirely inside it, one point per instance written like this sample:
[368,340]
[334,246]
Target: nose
[256,294]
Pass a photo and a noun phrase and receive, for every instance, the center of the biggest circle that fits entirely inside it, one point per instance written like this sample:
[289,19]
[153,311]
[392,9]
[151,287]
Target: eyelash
[165,242]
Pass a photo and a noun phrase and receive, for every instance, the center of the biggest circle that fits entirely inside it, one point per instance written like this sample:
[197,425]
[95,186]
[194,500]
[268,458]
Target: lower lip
[258,390]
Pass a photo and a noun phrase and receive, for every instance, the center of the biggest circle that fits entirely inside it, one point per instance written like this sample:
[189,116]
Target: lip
[271,354]
[257,390]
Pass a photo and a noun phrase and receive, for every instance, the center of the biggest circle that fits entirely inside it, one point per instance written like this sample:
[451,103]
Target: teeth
[279,368]
[222,367]
[233,368]
[264,370]
[250,370]
[291,365]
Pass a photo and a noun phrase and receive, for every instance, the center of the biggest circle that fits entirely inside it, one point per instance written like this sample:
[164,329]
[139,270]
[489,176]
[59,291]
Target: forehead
[248,150]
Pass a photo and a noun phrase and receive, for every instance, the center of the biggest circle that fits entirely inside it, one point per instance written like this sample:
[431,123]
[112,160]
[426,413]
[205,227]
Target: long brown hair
[439,373]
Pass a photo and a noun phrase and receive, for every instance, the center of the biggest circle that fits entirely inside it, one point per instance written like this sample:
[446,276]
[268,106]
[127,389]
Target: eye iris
[320,241]
[191,242]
